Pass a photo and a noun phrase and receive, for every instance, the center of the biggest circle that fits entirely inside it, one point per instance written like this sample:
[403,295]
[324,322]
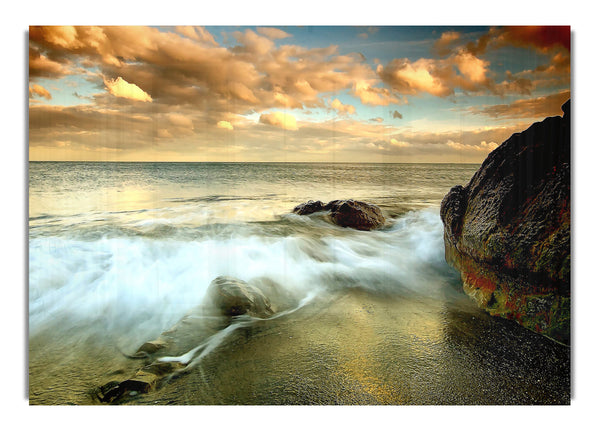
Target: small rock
[234,297]
[346,213]
[309,208]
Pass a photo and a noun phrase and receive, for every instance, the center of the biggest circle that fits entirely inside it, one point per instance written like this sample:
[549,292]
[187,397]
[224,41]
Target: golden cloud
[483,146]
[473,68]
[279,119]
[373,95]
[121,88]
[423,75]
[341,108]
[199,34]
[38,90]
[224,125]
[539,107]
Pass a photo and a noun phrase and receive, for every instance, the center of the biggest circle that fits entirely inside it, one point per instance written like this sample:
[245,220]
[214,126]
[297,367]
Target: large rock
[233,297]
[346,213]
[508,230]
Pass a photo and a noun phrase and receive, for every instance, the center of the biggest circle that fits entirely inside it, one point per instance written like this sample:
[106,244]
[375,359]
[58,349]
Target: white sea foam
[132,247]
[147,284]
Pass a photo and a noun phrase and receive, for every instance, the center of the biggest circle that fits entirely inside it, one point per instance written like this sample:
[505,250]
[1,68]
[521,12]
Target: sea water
[137,244]
[127,249]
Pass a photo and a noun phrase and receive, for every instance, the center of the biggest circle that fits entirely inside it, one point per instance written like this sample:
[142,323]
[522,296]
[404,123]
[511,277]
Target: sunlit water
[120,252]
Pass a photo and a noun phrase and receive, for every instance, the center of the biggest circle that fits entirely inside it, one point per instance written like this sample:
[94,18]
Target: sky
[441,94]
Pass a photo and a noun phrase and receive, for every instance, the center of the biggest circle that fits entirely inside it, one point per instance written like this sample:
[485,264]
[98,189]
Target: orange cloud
[423,75]
[539,107]
[483,146]
[42,66]
[373,95]
[199,34]
[121,88]
[279,119]
[473,68]
[38,90]
[446,40]
[184,67]
[341,108]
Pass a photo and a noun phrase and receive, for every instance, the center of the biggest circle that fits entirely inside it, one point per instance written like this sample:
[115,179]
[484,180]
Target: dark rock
[309,207]
[233,297]
[141,382]
[346,213]
[508,230]
[109,392]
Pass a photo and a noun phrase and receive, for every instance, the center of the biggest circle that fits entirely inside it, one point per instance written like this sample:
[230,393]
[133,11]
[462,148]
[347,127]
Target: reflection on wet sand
[349,348]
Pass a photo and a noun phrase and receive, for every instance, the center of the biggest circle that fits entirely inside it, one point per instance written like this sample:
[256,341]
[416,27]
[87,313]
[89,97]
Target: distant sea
[126,249]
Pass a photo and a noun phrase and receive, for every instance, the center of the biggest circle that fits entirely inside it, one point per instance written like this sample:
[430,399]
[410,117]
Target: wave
[146,283]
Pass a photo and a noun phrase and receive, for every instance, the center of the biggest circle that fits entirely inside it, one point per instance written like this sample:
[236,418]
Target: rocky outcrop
[508,230]
[346,213]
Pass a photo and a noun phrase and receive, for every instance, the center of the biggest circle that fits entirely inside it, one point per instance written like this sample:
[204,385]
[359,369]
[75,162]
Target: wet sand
[352,348]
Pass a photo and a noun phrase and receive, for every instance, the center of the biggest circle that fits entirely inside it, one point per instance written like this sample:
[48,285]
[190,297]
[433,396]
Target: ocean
[121,252]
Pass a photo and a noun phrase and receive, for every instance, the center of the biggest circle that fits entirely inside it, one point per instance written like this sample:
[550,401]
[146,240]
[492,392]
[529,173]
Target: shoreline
[356,349]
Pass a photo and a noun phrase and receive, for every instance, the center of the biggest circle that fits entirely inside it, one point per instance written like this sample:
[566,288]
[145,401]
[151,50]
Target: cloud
[341,108]
[180,120]
[421,76]
[442,77]
[42,66]
[543,38]
[373,95]
[399,144]
[253,43]
[224,125]
[121,88]
[38,90]
[196,84]
[279,119]
[539,107]
[184,67]
[164,133]
[63,36]
[273,33]
[442,46]
[199,34]
[473,68]
[483,146]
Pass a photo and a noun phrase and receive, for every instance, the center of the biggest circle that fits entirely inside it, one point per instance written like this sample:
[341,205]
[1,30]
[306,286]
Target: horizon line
[282,162]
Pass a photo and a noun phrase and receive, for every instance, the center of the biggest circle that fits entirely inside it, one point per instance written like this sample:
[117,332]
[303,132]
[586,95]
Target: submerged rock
[227,296]
[233,297]
[346,213]
[508,230]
